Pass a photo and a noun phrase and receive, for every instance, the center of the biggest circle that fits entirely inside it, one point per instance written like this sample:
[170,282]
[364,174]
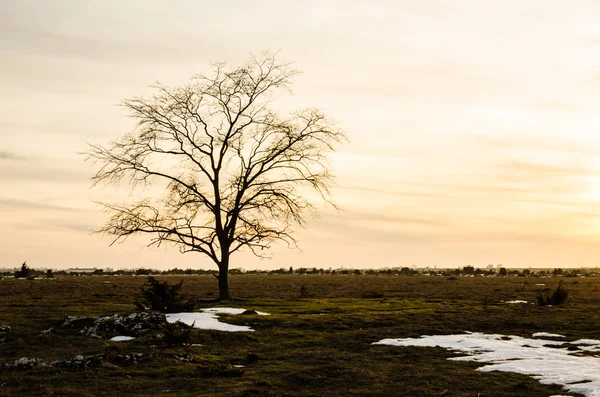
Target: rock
[131,358]
[184,358]
[25,363]
[75,321]
[4,328]
[247,312]
[117,324]
[80,362]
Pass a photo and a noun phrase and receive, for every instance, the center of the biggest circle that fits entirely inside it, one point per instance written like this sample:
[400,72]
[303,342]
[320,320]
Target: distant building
[81,270]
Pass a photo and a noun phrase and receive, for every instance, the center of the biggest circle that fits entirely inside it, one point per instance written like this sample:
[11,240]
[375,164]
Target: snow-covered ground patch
[121,338]
[546,360]
[546,335]
[231,310]
[208,319]
[516,301]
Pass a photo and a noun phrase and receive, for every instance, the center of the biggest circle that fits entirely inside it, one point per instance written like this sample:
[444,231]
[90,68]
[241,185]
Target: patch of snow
[546,335]
[516,301]
[535,357]
[230,310]
[208,319]
[593,349]
[121,338]
[586,342]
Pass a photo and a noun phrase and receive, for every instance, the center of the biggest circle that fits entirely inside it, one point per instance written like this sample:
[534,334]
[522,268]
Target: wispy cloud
[21,205]
[542,176]
[391,218]
[408,193]
[78,47]
[8,155]
[554,145]
[76,226]
[41,172]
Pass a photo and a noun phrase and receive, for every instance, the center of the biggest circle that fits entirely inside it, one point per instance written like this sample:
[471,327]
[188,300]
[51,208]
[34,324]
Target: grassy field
[316,342]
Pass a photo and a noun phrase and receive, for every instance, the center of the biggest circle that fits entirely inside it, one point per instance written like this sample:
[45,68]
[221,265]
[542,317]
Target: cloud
[40,172]
[398,192]
[58,45]
[8,155]
[365,227]
[529,171]
[554,145]
[389,218]
[74,226]
[21,205]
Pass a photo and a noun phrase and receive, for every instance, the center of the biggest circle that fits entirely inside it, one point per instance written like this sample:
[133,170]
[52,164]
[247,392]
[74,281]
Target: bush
[373,294]
[303,291]
[164,297]
[177,333]
[25,271]
[558,297]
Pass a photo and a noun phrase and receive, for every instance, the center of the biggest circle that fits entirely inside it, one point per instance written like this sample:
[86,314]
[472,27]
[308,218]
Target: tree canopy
[235,173]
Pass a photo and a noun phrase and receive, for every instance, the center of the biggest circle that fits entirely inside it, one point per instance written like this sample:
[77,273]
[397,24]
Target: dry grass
[316,345]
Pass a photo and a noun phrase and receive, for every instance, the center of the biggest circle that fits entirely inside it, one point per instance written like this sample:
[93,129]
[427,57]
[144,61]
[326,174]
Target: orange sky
[474,124]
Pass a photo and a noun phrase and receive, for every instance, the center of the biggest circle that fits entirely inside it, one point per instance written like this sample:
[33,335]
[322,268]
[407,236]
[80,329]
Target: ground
[317,340]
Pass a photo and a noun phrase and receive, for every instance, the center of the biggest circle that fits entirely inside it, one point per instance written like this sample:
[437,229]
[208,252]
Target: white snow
[230,310]
[122,338]
[546,360]
[208,319]
[546,335]
[516,301]
[586,342]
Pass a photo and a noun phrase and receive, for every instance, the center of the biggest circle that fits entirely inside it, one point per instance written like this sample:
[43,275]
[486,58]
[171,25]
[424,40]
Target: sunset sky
[474,125]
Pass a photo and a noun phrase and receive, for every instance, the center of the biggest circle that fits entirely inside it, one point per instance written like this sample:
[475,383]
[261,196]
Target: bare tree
[235,174]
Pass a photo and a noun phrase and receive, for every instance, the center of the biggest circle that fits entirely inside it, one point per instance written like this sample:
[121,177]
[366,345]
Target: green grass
[314,346]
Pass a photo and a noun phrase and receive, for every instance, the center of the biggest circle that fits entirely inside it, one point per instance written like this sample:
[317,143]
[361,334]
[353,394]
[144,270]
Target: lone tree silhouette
[235,174]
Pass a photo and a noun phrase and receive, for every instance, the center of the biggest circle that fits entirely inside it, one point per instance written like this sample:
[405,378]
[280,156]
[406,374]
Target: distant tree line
[25,271]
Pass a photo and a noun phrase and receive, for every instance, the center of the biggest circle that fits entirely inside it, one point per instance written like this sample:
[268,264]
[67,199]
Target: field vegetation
[316,342]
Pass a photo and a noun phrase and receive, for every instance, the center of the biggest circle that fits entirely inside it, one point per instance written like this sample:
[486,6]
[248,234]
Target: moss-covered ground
[316,342]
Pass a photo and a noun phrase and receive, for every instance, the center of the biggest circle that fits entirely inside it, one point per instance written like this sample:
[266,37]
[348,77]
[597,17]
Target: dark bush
[303,291]
[373,294]
[558,297]
[164,297]
[177,333]
[25,271]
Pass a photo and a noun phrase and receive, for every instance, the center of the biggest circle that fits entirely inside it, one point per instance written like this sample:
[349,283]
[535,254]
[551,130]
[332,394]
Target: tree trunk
[223,278]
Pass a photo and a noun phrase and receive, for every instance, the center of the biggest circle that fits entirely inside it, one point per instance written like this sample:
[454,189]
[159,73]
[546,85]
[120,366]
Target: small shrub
[373,294]
[303,291]
[25,271]
[558,297]
[164,297]
[177,333]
